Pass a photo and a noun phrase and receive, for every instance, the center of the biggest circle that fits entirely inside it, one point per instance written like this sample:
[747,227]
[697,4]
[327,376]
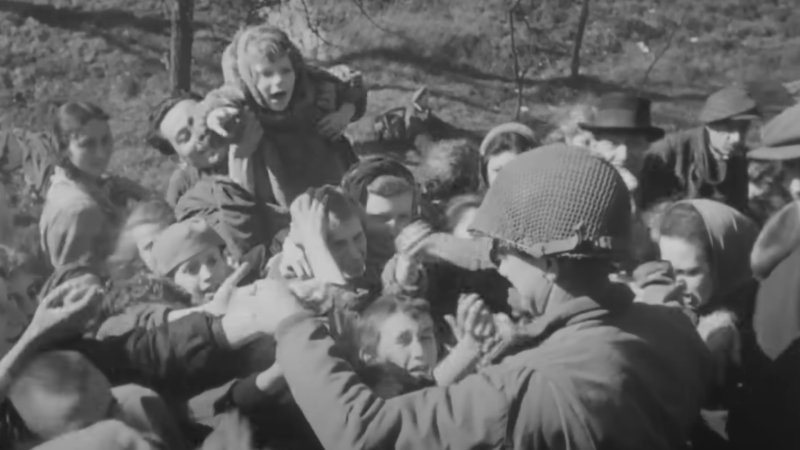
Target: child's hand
[411,239]
[221,120]
[334,124]
[473,321]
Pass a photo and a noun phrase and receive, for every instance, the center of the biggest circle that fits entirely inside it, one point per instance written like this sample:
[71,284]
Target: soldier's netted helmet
[558,200]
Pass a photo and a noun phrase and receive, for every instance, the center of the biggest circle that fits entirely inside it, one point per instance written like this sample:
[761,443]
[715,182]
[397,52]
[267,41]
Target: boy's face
[408,342]
[203,274]
[177,128]
[275,80]
[394,212]
[348,245]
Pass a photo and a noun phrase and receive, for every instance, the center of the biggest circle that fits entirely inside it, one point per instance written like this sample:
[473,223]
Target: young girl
[303,112]
[501,145]
[397,332]
[84,206]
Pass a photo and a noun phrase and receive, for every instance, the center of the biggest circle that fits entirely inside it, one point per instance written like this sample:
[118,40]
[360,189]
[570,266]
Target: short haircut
[682,220]
[154,138]
[389,186]
[368,332]
[71,116]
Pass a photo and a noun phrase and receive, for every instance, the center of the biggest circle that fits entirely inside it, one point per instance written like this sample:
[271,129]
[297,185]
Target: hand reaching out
[66,311]
[473,322]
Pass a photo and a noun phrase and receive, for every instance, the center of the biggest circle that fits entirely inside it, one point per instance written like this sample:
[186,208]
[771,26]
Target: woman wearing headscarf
[302,110]
[708,245]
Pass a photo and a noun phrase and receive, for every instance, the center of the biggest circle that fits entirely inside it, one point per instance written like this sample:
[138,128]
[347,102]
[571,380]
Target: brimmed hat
[509,127]
[181,242]
[780,137]
[730,103]
[558,200]
[623,112]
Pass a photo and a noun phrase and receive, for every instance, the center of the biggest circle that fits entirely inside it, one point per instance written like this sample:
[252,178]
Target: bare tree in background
[575,67]
[180,66]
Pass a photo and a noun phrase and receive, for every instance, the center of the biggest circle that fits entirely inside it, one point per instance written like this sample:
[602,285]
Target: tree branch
[518,75]
[663,51]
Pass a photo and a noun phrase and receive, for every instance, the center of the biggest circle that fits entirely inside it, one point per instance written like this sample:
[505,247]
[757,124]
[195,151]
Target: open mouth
[419,371]
[279,96]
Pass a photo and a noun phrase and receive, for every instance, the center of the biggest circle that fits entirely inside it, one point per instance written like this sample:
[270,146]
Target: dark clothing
[234,213]
[623,376]
[776,320]
[181,358]
[682,166]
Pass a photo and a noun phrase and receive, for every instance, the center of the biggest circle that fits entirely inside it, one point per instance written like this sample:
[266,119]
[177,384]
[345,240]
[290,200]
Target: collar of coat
[611,300]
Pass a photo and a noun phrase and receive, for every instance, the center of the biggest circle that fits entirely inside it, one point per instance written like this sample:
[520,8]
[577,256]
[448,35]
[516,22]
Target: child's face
[393,212]
[203,274]
[23,289]
[408,342]
[91,146]
[177,127]
[275,80]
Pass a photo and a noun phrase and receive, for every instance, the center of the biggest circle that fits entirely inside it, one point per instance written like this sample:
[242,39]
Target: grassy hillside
[112,52]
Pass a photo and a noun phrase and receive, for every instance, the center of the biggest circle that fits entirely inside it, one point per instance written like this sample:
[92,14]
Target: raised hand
[67,311]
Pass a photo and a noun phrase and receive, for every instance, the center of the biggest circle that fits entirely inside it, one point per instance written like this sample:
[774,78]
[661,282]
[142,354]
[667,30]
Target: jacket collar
[613,299]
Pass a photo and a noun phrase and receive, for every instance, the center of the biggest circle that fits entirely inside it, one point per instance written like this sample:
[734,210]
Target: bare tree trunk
[518,75]
[575,67]
[181,45]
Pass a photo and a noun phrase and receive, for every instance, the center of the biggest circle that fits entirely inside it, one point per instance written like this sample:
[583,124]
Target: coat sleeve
[777,240]
[345,413]
[186,357]
[658,180]
[71,236]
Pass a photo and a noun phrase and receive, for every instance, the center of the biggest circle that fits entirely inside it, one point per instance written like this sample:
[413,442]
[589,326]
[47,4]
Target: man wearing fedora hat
[704,162]
[622,132]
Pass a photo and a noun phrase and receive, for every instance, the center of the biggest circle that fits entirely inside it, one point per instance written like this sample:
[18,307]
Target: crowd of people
[608,286]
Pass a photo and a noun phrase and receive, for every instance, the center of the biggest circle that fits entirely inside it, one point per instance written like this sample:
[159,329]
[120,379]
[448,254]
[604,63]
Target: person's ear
[551,269]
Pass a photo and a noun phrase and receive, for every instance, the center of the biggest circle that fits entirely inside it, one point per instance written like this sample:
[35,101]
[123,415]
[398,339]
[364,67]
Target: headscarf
[731,235]
[238,70]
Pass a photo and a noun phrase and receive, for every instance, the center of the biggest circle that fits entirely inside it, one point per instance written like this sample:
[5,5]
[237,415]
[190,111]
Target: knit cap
[730,103]
[181,242]
[558,200]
